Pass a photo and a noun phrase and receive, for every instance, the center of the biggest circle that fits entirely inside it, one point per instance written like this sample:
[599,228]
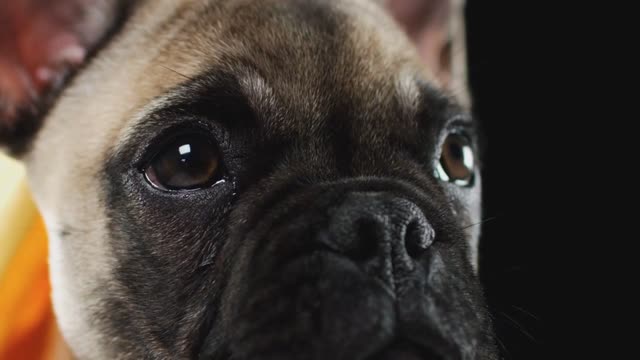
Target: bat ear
[437,29]
[41,44]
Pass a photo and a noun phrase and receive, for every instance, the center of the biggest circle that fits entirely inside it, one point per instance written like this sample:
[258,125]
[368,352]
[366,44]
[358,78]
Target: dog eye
[457,163]
[189,162]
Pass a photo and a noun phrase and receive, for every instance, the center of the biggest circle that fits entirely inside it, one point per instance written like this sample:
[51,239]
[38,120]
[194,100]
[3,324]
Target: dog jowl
[273,179]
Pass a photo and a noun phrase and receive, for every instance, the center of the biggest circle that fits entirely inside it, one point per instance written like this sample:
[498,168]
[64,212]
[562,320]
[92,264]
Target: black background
[510,77]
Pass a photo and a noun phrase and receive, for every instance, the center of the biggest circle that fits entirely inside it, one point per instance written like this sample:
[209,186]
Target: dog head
[268,179]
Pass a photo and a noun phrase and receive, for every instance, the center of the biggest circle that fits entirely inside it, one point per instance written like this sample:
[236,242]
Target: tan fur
[166,43]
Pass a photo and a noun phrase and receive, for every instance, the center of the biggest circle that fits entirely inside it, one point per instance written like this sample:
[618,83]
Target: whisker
[503,347]
[480,222]
[518,326]
[526,312]
[177,72]
[501,344]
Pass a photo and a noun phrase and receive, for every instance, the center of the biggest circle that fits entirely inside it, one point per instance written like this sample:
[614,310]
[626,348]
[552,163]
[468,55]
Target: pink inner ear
[426,22]
[39,43]
[41,37]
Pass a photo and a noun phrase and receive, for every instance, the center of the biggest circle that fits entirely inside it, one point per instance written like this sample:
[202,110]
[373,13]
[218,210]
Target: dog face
[260,180]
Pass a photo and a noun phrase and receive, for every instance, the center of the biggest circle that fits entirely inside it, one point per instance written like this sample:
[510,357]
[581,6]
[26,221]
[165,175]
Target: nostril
[418,237]
[368,232]
[366,226]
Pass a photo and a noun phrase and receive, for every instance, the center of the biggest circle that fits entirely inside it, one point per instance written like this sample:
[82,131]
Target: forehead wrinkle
[408,94]
[257,91]
[295,54]
[267,106]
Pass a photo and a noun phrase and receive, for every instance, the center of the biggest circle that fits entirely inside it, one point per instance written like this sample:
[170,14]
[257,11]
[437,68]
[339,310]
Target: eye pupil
[457,163]
[456,151]
[189,162]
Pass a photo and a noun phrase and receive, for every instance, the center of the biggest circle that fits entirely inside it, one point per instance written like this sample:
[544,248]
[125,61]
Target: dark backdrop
[507,55]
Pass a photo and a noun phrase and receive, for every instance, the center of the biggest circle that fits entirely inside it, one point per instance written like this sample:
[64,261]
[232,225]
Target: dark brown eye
[189,162]
[457,163]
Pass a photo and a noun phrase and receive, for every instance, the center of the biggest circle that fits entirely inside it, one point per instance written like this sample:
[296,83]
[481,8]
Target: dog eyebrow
[237,97]
[215,98]
[437,109]
[258,92]
[409,94]
[228,99]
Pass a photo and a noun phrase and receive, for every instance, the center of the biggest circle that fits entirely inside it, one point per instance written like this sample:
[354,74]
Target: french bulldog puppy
[251,179]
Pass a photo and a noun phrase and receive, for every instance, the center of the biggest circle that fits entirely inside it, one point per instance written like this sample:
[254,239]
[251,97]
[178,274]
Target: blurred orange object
[27,326]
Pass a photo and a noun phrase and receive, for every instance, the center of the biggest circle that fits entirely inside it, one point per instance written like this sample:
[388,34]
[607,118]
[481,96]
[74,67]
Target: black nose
[370,225]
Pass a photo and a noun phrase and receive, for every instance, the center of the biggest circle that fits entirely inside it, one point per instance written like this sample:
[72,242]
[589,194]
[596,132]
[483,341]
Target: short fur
[313,104]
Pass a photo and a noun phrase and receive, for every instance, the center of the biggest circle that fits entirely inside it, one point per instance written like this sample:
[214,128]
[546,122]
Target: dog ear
[41,44]
[437,29]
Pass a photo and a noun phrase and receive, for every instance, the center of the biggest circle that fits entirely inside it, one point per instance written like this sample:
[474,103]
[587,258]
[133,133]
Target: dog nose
[368,225]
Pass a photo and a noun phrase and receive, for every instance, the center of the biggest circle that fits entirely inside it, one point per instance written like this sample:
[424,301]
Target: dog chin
[322,306]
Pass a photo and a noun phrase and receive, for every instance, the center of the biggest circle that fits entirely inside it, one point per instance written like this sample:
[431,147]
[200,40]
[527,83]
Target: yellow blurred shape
[17,211]
[27,327]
